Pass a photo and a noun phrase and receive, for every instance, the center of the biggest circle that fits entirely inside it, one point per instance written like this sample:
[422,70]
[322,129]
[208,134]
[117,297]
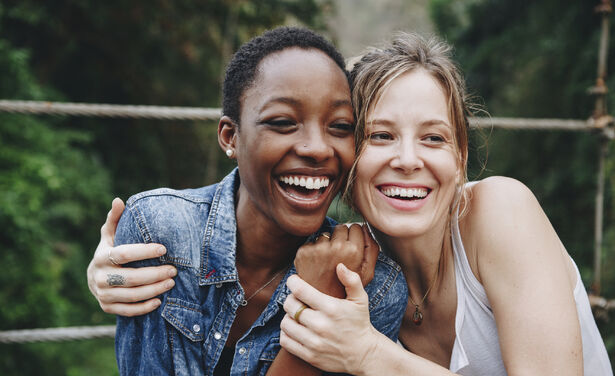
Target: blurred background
[58,175]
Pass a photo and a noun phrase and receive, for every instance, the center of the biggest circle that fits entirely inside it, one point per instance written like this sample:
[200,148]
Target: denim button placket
[217,335]
[242,351]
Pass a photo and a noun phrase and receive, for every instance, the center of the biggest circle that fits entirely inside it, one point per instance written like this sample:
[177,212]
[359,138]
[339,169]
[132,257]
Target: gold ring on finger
[298,312]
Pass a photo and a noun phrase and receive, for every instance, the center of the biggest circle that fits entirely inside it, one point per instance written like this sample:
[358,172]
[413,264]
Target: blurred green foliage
[538,59]
[54,191]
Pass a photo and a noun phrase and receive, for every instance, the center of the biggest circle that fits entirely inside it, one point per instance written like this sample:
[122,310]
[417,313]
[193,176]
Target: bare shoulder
[498,202]
[500,190]
[504,221]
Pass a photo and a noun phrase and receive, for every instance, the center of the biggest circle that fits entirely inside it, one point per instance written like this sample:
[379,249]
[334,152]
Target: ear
[227,132]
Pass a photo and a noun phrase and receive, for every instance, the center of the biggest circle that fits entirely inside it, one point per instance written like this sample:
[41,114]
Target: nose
[314,144]
[407,157]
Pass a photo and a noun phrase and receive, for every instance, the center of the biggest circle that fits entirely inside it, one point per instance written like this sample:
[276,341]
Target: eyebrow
[283,100]
[293,102]
[430,122]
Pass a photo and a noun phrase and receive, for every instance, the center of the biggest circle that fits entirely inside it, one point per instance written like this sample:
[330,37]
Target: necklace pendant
[244,303]
[417,317]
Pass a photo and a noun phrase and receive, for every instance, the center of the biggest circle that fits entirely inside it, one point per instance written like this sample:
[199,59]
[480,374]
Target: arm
[141,342]
[528,278]
[336,334]
[316,264]
[126,291]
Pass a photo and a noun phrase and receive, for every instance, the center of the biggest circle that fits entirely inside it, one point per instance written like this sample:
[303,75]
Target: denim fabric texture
[186,334]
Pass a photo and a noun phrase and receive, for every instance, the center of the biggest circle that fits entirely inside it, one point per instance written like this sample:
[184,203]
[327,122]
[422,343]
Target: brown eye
[279,122]
[380,136]
[435,138]
[343,127]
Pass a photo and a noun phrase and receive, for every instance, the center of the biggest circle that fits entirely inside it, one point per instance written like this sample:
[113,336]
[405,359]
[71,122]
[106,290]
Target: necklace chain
[417,317]
[245,301]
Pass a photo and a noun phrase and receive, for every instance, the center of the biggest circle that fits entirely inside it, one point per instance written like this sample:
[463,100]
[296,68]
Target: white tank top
[476,350]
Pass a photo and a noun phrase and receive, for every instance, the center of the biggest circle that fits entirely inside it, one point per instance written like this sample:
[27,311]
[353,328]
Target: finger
[323,237]
[107,231]
[132,309]
[134,294]
[340,233]
[292,304]
[293,346]
[296,331]
[352,283]
[126,253]
[304,292]
[370,256]
[133,277]
[355,234]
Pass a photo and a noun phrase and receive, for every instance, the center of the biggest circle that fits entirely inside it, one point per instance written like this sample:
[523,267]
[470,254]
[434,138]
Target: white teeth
[404,192]
[307,182]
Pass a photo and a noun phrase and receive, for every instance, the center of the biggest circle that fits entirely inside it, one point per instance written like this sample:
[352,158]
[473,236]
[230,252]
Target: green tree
[53,191]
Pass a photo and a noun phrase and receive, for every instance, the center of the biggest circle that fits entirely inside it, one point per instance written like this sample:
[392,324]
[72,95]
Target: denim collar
[220,241]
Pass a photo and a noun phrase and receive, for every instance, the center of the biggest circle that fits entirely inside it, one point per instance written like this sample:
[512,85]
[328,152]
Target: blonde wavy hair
[373,74]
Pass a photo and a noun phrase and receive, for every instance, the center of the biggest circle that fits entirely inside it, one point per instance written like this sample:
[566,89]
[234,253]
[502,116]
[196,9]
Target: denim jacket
[187,333]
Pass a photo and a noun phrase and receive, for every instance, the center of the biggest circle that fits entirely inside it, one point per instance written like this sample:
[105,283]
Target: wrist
[371,360]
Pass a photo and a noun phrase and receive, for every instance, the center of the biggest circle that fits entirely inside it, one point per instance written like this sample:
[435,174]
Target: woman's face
[407,173]
[295,142]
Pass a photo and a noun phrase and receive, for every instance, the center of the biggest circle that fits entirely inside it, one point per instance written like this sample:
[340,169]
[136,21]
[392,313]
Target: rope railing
[57,334]
[202,113]
[109,110]
[600,306]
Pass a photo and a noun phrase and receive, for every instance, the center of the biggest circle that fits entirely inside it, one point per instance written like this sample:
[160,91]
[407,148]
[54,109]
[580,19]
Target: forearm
[286,361]
[388,358]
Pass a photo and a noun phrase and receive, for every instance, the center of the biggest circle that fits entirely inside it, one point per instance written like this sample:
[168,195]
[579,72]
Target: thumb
[352,283]
[107,232]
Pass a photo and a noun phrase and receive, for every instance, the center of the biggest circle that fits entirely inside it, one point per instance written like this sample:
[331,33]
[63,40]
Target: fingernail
[172,272]
[170,283]
[161,251]
[157,303]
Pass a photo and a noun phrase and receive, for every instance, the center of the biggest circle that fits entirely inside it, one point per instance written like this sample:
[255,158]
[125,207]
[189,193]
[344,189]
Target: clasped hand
[333,334]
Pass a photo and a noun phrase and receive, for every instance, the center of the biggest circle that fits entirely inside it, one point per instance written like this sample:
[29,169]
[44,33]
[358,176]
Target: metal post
[600,114]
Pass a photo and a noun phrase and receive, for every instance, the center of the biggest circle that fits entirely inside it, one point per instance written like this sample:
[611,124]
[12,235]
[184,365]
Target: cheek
[345,150]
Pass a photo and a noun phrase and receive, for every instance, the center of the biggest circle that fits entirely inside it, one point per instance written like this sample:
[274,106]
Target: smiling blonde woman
[492,290]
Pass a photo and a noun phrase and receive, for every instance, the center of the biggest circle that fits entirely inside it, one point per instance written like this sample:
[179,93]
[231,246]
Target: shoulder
[165,216]
[497,202]
[499,191]
[168,195]
[503,216]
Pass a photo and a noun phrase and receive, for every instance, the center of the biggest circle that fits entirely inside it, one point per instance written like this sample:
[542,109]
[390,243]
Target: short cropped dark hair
[241,71]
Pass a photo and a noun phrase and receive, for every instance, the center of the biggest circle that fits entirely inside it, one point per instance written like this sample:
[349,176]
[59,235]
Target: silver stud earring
[230,153]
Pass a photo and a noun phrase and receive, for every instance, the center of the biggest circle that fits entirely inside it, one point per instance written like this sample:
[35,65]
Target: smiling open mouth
[304,187]
[407,194]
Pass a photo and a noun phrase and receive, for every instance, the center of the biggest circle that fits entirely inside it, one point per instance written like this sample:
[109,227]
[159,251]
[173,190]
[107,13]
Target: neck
[261,244]
[420,258]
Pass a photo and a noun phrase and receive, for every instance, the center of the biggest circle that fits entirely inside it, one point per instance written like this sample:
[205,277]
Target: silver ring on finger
[324,235]
[111,258]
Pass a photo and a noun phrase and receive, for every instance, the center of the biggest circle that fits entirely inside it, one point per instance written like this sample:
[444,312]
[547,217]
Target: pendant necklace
[417,316]
[245,301]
